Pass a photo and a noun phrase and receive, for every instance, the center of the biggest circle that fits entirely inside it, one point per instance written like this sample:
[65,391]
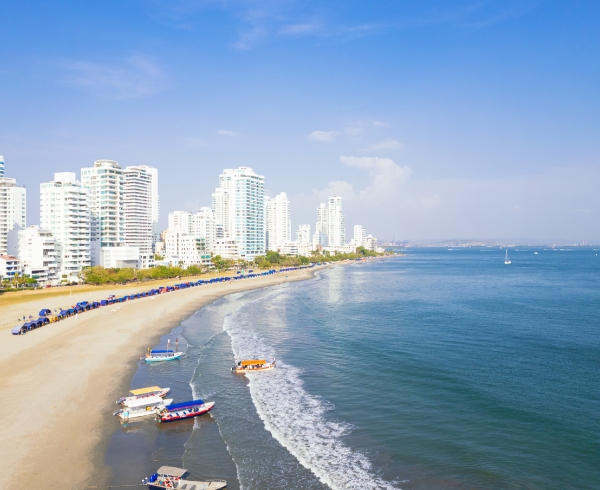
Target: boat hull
[186,413]
[164,358]
[242,370]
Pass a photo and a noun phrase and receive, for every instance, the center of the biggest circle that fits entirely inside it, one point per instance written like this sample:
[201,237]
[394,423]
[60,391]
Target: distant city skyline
[431,120]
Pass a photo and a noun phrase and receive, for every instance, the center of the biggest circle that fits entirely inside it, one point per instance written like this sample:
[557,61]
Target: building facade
[240,203]
[139,208]
[36,249]
[65,212]
[12,207]
[303,239]
[322,228]
[336,222]
[180,222]
[106,182]
[204,226]
[278,223]
[360,236]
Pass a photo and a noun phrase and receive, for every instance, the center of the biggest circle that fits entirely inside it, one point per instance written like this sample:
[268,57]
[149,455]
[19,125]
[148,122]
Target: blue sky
[432,119]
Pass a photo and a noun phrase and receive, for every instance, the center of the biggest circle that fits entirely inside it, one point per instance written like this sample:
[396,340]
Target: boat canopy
[161,351]
[253,362]
[171,471]
[145,402]
[180,406]
[143,391]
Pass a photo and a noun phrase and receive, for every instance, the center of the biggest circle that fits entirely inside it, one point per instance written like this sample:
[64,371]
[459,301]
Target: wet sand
[58,384]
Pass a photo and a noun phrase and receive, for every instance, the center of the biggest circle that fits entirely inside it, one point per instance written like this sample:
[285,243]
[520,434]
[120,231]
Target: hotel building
[12,207]
[278,223]
[65,212]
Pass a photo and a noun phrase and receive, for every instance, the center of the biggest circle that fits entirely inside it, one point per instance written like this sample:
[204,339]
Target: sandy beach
[58,384]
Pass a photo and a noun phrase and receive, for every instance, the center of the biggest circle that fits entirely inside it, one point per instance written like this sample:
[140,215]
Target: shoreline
[62,382]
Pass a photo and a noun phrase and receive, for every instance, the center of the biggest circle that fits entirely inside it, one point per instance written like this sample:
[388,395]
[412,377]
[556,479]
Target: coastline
[60,382]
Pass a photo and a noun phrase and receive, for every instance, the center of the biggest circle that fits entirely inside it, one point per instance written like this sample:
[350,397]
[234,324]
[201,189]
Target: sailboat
[507,260]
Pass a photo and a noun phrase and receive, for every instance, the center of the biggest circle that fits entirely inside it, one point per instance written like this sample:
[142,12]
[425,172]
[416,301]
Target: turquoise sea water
[439,369]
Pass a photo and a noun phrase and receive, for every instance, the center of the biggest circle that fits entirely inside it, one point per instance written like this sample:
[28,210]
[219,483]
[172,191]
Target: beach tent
[95,304]
[43,321]
[18,330]
[103,302]
[63,313]
[45,311]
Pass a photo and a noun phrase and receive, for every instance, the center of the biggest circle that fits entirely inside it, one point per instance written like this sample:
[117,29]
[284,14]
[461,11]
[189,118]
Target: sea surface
[440,369]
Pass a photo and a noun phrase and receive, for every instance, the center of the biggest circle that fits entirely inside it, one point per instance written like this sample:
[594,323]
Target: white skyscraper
[303,240]
[12,207]
[65,212]
[154,201]
[107,208]
[137,198]
[181,222]
[278,223]
[336,223]
[204,226]
[360,236]
[322,227]
[240,204]
[36,249]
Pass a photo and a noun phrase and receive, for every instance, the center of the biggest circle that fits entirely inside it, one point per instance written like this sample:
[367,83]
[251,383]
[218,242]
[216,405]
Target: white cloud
[353,131]
[380,124]
[337,188]
[385,175]
[224,132]
[327,136]
[299,29]
[388,144]
[135,77]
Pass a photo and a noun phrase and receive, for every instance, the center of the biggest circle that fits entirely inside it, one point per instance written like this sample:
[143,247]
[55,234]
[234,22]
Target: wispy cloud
[380,124]
[224,132]
[385,175]
[327,136]
[134,77]
[388,144]
[300,29]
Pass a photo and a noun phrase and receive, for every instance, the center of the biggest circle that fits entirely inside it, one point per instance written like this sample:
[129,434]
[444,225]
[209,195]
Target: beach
[58,384]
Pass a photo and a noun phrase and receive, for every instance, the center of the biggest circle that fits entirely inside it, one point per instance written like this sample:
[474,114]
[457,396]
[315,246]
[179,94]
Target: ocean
[439,369]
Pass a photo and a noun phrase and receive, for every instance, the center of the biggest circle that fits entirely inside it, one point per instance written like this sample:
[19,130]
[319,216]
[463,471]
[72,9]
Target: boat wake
[295,418]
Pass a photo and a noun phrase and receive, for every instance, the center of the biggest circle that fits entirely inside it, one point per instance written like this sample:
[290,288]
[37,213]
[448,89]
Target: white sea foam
[295,418]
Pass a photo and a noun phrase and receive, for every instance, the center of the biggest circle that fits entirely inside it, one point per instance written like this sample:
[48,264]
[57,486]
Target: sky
[432,119]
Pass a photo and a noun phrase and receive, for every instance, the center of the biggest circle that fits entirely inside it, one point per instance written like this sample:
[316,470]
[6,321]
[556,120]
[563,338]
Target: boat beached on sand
[171,477]
[159,355]
[185,410]
[142,407]
[253,365]
[142,393]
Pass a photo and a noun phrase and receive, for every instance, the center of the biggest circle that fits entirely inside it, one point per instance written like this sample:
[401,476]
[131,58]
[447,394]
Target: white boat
[143,393]
[171,477]
[159,355]
[507,260]
[143,407]
[535,253]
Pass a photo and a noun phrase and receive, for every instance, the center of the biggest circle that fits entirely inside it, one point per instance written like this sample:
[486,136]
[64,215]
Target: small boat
[159,355]
[143,393]
[535,253]
[249,365]
[507,260]
[142,407]
[171,477]
[185,410]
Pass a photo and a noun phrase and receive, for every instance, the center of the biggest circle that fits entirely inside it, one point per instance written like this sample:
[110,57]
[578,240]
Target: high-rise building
[240,204]
[322,227]
[204,226]
[303,240]
[106,182]
[137,198]
[12,207]
[65,212]
[36,249]
[278,223]
[181,222]
[154,201]
[336,222]
[360,236]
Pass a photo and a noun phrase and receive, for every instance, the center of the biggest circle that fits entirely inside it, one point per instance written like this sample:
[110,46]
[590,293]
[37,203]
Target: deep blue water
[439,369]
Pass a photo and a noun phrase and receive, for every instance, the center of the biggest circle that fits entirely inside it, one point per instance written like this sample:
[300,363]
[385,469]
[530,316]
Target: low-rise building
[9,267]
[36,249]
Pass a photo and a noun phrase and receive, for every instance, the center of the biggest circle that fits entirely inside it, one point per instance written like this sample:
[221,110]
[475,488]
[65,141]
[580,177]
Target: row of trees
[99,275]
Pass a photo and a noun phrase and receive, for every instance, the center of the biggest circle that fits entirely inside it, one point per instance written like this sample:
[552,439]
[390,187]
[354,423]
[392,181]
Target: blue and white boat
[160,355]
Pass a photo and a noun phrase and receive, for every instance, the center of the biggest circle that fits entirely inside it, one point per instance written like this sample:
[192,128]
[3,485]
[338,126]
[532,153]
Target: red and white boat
[185,410]
[141,393]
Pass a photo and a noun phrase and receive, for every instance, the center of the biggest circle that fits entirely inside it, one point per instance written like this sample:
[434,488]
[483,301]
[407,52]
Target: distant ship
[507,260]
